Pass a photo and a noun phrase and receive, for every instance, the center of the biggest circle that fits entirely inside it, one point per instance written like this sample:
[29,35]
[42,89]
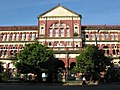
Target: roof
[18,28]
[85,27]
[101,27]
[59,11]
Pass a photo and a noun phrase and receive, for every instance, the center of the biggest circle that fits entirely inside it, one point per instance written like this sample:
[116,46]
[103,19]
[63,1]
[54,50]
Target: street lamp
[67,68]
[97,36]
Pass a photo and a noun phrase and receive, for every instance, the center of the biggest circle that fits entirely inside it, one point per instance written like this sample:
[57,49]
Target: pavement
[59,87]
[68,83]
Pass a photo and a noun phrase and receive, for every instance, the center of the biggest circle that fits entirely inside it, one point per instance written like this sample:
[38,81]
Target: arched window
[17,36]
[13,37]
[23,36]
[33,36]
[3,37]
[59,29]
[8,36]
[27,36]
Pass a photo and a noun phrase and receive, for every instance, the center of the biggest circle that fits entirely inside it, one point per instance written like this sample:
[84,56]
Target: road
[58,87]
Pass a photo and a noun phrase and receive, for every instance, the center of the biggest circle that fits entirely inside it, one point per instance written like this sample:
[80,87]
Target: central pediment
[59,11]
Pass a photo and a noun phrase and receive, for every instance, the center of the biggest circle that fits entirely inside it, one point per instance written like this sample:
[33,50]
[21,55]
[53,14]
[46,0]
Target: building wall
[12,40]
[57,33]
[108,39]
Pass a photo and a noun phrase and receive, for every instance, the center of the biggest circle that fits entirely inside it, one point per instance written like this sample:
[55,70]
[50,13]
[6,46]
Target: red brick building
[59,29]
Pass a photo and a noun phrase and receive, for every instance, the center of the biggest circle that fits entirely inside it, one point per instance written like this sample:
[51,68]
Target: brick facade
[60,38]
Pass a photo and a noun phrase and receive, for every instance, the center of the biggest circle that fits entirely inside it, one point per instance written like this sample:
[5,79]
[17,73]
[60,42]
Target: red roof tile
[101,27]
[8,28]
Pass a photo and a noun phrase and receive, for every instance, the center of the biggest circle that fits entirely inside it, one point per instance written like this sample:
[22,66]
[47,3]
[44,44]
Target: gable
[59,11]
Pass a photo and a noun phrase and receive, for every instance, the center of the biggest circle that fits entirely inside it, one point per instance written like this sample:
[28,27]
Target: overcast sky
[25,12]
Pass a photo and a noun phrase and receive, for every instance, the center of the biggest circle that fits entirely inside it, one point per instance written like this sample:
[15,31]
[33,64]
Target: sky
[25,12]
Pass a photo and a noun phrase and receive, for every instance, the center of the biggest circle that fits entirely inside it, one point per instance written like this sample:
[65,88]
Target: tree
[1,67]
[32,58]
[1,70]
[91,60]
[84,60]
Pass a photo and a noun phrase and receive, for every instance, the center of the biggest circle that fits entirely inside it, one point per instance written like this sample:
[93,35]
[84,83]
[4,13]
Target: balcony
[74,50]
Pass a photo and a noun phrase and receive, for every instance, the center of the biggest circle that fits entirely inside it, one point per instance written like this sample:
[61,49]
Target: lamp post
[67,68]
[97,36]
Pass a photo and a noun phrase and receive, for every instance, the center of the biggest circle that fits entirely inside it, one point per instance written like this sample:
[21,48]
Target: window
[56,32]
[36,35]
[13,36]
[49,44]
[116,37]
[42,30]
[76,45]
[4,47]
[93,36]
[42,27]
[60,45]
[59,29]
[68,43]
[17,36]
[106,36]
[68,31]
[117,51]
[3,37]
[112,36]
[27,36]
[5,52]
[76,29]
[107,51]
[32,36]
[86,36]
[23,36]
[8,36]
[96,35]
[51,32]
[62,32]
[11,52]
[114,52]
[102,36]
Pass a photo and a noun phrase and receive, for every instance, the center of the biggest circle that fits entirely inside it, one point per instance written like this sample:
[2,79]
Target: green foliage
[32,57]
[5,75]
[75,34]
[91,59]
[1,67]
[84,61]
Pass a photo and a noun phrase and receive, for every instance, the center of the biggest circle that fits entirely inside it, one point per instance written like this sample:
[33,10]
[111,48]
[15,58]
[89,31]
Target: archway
[72,65]
[106,49]
[60,64]
[60,67]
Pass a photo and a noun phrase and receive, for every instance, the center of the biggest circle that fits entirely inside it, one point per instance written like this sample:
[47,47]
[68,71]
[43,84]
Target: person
[84,80]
